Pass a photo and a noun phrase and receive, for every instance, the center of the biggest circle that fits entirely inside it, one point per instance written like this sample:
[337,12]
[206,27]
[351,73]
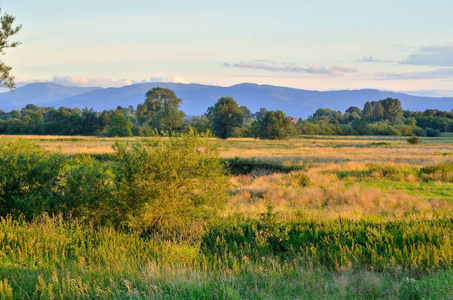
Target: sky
[393,45]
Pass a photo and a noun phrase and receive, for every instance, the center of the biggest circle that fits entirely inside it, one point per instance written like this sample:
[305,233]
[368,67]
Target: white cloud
[437,55]
[84,81]
[272,66]
[370,58]
[98,82]
[174,79]
[435,74]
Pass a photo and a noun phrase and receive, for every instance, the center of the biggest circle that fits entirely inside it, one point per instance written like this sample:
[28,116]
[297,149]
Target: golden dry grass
[326,196]
[314,150]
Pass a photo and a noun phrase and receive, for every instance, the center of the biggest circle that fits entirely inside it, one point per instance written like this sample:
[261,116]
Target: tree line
[160,112]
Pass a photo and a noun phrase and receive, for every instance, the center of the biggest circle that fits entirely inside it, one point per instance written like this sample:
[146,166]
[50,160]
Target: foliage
[73,121]
[165,184]
[84,190]
[274,125]
[244,166]
[6,31]
[414,140]
[326,115]
[387,109]
[119,126]
[441,172]
[224,116]
[432,132]
[160,110]
[27,179]
[150,185]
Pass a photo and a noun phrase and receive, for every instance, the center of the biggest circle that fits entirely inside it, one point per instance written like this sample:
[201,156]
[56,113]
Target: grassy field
[308,218]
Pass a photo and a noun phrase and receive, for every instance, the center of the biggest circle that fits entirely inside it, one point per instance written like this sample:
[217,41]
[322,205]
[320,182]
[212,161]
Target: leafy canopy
[273,125]
[6,31]
[166,184]
[160,110]
[224,117]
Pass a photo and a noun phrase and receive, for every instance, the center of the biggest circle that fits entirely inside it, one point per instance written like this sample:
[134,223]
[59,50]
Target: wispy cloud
[84,81]
[370,58]
[435,74]
[100,82]
[437,55]
[174,79]
[431,93]
[272,66]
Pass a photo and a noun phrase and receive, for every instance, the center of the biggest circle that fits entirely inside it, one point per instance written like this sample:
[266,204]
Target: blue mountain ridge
[196,98]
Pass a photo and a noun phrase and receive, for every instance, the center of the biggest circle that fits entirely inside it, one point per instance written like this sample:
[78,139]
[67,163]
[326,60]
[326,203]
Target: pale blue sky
[394,45]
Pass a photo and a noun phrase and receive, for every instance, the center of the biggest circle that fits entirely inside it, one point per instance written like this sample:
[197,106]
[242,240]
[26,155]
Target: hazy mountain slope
[39,94]
[197,98]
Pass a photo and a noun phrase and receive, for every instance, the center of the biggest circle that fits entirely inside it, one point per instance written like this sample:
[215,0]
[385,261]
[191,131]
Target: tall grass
[417,245]
[314,218]
[52,259]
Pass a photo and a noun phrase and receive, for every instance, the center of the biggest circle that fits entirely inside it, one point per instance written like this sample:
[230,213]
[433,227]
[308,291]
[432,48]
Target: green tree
[224,117]
[119,126]
[360,126]
[392,109]
[260,114]
[6,31]
[378,111]
[168,184]
[367,111]
[327,115]
[199,124]
[248,116]
[160,110]
[275,126]
[352,113]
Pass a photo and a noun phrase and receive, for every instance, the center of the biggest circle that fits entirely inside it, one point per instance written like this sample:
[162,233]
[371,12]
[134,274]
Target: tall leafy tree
[160,110]
[367,111]
[378,111]
[392,109]
[248,116]
[274,125]
[224,117]
[119,125]
[6,31]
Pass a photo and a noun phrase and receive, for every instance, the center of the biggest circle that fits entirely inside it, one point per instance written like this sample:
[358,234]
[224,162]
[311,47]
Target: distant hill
[39,94]
[196,98]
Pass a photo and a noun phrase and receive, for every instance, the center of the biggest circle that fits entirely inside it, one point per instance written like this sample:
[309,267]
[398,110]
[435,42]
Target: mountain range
[196,98]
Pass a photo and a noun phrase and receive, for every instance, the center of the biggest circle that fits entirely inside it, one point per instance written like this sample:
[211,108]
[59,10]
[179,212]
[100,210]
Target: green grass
[428,190]
[261,255]
[51,259]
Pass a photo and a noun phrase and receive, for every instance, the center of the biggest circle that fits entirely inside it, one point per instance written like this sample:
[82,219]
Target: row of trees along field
[161,112]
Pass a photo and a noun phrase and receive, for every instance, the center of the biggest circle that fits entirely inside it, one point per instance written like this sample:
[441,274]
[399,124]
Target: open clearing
[357,217]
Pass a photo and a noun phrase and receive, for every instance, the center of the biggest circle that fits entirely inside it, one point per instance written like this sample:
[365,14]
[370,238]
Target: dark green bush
[84,190]
[414,140]
[432,132]
[439,172]
[27,179]
[245,166]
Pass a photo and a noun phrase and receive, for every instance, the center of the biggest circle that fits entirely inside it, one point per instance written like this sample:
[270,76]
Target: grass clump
[439,172]
[243,166]
[414,140]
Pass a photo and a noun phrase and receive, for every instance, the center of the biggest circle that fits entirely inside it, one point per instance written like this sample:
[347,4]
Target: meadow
[314,217]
